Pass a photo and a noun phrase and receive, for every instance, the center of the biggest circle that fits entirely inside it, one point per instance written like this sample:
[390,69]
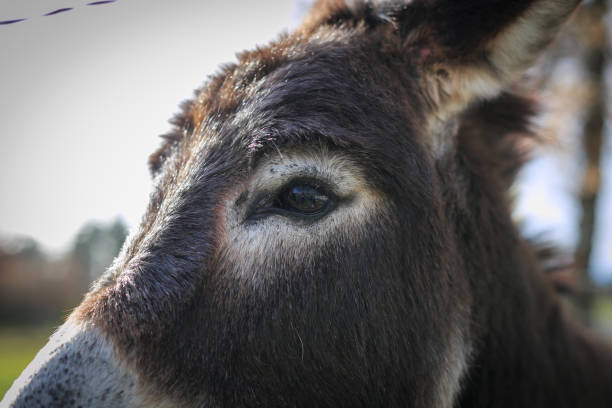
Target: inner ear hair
[469,50]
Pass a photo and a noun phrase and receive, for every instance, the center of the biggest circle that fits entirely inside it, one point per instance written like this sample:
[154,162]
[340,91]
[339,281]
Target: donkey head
[320,227]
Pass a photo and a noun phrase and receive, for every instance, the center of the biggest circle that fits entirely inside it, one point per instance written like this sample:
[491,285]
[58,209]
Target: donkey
[330,227]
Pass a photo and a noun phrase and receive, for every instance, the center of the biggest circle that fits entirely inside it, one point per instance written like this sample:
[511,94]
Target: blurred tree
[97,244]
[572,88]
[592,30]
[36,287]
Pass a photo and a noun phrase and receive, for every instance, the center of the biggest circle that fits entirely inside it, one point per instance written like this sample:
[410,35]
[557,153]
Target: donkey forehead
[318,93]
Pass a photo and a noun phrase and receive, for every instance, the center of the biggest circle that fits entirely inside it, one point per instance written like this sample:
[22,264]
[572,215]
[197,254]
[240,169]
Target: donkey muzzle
[77,367]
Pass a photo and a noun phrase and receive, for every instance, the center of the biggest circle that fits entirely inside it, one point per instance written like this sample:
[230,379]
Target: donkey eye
[304,199]
[307,199]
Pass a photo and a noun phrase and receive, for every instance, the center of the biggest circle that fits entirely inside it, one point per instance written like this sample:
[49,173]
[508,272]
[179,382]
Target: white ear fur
[502,60]
[517,47]
[498,62]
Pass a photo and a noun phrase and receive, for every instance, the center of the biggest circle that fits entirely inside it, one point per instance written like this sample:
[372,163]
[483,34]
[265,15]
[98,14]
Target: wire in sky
[55,12]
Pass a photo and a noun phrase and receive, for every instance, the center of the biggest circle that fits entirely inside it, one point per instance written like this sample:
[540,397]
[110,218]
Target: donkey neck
[532,354]
[527,350]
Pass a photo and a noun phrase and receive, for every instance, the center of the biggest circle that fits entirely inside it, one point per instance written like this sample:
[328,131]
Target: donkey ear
[464,50]
[472,49]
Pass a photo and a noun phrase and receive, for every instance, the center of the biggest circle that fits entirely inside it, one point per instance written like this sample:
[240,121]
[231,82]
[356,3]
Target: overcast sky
[84,94]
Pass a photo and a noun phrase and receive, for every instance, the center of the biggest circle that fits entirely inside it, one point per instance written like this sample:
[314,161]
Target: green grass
[18,346]
[601,313]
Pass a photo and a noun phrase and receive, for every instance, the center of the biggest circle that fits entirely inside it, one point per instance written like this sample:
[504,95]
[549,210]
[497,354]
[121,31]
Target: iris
[303,198]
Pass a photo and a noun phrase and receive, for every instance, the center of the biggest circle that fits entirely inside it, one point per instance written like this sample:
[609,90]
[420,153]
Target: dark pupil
[306,199]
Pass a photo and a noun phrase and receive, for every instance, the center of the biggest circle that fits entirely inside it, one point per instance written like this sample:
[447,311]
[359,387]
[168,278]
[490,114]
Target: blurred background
[86,87]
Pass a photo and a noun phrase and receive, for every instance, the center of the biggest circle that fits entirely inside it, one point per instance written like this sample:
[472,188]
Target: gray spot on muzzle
[77,368]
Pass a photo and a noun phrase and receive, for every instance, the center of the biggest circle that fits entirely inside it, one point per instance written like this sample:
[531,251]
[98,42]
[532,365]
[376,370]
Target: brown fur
[415,289]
